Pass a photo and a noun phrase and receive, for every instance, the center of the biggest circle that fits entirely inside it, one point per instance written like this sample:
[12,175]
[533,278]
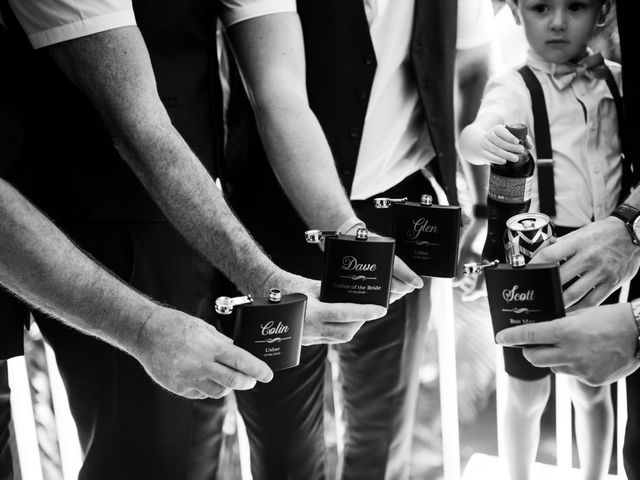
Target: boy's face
[558,30]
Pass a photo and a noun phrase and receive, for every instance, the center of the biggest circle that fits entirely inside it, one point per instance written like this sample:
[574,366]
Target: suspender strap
[629,169]
[546,185]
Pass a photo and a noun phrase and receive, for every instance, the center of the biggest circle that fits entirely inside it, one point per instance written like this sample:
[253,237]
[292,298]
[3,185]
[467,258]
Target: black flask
[427,235]
[356,268]
[523,293]
[270,328]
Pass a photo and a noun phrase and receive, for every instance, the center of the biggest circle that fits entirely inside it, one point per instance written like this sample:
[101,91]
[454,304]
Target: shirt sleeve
[476,25]
[236,11]
[507,96]
[47,22]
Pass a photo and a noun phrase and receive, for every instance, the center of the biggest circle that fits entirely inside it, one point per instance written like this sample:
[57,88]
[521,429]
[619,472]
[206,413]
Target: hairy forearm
[41,265]
[113,69]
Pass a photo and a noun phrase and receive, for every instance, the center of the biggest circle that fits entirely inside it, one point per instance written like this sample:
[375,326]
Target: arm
[597,344]
[182,353]
[601,253]
[270,53]
[113,69]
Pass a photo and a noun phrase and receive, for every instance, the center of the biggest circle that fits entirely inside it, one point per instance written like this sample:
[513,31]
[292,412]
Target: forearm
[114,70]
[41,265]
[302,160]
[269,51]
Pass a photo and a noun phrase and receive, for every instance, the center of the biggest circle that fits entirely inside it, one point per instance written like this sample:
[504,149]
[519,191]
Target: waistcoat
[341,64]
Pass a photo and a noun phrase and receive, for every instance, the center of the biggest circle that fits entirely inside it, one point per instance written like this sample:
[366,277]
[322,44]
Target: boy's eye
[539,7]
[576,6]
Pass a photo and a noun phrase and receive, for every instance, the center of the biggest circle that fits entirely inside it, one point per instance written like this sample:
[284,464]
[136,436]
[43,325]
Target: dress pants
[379,371]
[6,468]
[130,428]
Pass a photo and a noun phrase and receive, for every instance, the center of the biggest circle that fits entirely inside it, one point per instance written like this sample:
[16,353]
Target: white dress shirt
[584,138]
[47,22]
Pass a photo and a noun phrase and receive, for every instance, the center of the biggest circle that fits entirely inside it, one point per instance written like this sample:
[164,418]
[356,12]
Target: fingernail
[499,337]
[253,383]
[267,378]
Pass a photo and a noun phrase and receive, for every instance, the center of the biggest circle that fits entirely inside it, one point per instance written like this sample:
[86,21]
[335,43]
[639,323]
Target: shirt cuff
[82,28]
[232,15]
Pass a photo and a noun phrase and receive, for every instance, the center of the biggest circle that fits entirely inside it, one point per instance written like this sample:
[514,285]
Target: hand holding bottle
[499,145]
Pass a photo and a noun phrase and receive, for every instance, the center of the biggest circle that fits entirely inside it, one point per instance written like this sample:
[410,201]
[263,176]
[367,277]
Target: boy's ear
[604,11]
[514,11]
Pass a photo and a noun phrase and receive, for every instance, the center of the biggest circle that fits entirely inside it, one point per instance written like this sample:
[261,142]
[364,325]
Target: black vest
[75,173]
[341,65]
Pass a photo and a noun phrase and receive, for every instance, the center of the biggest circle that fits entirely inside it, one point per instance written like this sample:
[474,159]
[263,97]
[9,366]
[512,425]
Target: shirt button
[592,125]
[369,59]
[354,132]
[362,95]
[346,172]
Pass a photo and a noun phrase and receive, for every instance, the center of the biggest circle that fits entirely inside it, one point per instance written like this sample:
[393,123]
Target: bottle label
[509,189]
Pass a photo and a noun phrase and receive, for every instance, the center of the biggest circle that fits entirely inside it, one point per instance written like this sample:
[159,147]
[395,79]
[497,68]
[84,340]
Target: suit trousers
[129,427]
[379,378]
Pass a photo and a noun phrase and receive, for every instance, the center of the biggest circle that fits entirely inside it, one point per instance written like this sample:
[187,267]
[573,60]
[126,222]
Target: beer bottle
[509,194]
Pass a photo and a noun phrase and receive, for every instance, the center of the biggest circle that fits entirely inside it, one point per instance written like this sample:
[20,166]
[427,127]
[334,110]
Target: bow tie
[591,67]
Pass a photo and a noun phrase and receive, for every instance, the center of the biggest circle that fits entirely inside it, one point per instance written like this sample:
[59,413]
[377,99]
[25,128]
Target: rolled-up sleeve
[235,11]
[47,22]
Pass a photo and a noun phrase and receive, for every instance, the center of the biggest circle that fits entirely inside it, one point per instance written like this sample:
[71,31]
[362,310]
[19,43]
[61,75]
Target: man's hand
[596,344]
[190,358]
[404,280]
[328,322]
[601,254]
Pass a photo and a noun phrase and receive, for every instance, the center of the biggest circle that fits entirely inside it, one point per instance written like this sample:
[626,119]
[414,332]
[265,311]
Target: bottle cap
[517,260]
[362,234]
[384,202]
[426,199]
[224,305]
[275,295]
[316,236]
[518,130]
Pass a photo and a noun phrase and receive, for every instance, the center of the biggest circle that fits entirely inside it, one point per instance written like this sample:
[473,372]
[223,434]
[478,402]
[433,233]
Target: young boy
[586,175]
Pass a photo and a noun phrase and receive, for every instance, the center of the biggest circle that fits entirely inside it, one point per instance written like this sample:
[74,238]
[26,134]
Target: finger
[404,274]
[212,389]
[227,377]
[556,252]
[351,312]
[243,362]
[535,333]
[493,158]
[592,298]
[544,356]
[579,290]
[505,140]
[493,151]
[193,394]
[400,288]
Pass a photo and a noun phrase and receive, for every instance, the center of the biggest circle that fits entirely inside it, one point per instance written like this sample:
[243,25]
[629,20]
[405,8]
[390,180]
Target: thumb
[402,272]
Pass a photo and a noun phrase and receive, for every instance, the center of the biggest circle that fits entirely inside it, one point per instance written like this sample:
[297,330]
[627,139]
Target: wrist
[350,225]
